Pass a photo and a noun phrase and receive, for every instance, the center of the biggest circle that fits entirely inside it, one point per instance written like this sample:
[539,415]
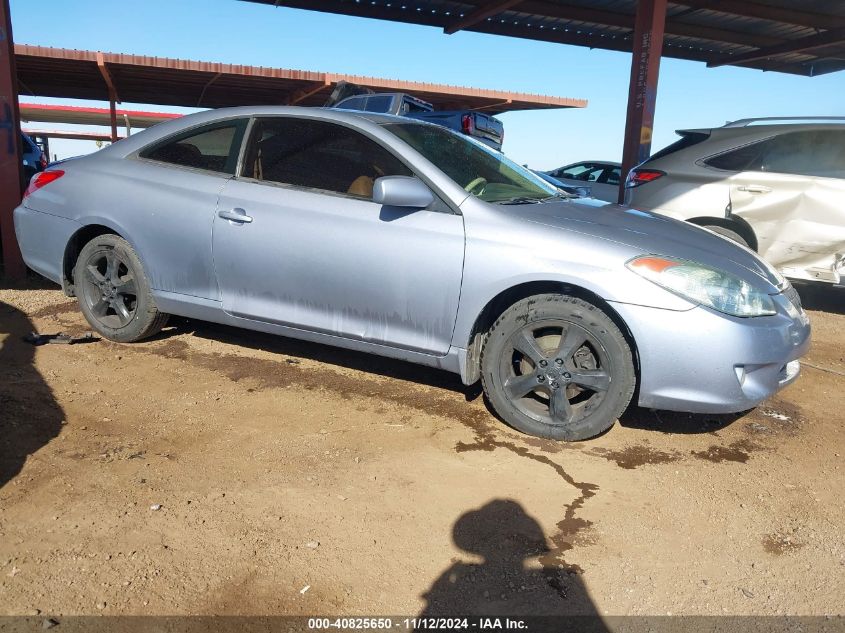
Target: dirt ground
[217,471]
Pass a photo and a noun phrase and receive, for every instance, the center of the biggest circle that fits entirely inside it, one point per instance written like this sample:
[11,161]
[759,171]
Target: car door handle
[754,188]
[235,215]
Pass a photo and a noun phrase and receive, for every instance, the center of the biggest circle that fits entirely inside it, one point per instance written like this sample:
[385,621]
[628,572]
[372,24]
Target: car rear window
[213,148]
[688,139]
[739,159]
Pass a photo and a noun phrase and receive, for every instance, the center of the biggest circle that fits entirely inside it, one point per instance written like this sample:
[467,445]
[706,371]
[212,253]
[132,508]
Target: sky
[689,94]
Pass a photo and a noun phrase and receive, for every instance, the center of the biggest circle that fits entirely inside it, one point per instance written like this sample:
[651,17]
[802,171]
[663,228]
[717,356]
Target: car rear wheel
[557,367]
[113,291]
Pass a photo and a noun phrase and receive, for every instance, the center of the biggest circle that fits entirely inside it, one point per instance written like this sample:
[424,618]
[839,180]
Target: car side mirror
[402,191]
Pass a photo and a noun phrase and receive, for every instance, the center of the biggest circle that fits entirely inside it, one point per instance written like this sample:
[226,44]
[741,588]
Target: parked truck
[485,128]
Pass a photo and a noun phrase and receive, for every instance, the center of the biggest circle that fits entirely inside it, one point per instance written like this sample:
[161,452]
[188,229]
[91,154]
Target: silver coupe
[404,239]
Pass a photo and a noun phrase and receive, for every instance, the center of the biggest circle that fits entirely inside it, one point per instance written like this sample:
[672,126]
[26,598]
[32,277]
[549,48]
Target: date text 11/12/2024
[417,624]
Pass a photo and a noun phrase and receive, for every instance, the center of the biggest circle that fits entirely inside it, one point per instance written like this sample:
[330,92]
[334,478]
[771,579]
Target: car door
[792,194]
[168,200]
[298,241]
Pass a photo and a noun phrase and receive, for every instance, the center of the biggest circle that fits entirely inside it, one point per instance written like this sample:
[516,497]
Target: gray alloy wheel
[557,367]
[113,291]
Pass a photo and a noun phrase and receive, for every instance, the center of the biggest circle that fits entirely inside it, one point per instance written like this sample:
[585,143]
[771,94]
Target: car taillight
[42,178]
[637,177]
[467,124]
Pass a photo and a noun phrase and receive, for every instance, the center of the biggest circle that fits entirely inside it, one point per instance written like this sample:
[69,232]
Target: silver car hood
[650,233]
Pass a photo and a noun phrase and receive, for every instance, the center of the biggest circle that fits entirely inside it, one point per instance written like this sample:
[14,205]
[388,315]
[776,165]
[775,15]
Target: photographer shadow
[505,584]
[30,417]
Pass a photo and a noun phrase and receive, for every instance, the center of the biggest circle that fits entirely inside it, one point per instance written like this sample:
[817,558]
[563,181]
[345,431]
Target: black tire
[728,233]
[587,381]
[113,291]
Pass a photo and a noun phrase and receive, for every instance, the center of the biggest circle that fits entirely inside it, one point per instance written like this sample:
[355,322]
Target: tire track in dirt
[286,372]
[270,373]
[55,310]
[567,528]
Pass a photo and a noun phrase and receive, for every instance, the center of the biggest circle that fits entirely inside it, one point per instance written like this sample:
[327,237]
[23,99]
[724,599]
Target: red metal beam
[112,116]
[642,91]
[500,104]
[486,10]
[312,89]
[67,134]
[11,166]
[83,115]
[206,86]
[104,71]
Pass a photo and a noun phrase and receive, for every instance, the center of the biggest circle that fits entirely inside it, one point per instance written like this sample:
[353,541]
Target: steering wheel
[477,183]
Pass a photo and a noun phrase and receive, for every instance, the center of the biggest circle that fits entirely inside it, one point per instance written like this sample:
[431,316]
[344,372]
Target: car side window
[318,155]
[592,175]
[353,103]
[213,148]
[410,106]
[379,103]
[739,159]
[811,153]
[610,176]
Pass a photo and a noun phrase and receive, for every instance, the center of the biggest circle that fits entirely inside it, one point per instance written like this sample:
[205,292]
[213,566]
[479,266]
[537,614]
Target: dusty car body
[405,239]
[775,187]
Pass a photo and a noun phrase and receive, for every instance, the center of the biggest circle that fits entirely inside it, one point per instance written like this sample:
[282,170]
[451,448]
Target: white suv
[776,188]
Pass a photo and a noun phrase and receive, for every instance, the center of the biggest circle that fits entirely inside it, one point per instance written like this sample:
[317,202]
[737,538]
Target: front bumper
[702,361]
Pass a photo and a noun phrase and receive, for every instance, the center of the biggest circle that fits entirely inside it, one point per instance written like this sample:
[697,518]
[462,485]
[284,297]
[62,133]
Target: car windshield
[477,168]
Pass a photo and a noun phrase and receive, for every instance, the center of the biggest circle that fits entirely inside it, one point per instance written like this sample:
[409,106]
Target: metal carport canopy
[803,37]
[80,74]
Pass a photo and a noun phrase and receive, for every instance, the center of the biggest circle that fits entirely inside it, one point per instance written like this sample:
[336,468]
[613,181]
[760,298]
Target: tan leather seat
[361,186]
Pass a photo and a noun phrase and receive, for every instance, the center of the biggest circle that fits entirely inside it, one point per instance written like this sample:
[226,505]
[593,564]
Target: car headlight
[702,284]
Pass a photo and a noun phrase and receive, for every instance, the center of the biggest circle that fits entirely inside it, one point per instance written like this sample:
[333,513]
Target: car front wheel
[557,367]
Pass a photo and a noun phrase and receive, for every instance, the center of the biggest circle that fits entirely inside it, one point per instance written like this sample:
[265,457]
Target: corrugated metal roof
[58,72]
[771,35]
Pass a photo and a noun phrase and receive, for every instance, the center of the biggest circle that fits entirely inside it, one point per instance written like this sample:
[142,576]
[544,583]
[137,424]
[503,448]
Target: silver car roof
[160,131]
